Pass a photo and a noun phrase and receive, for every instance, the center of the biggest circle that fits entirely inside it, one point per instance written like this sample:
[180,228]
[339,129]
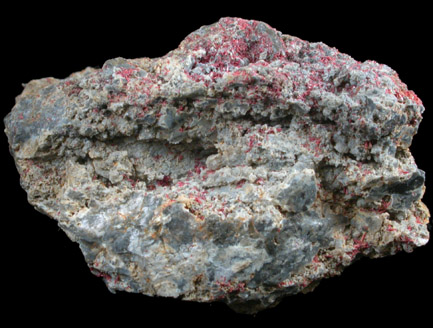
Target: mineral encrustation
[243,166]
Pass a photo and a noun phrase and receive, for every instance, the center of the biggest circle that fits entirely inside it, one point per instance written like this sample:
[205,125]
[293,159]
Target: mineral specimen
[244,166]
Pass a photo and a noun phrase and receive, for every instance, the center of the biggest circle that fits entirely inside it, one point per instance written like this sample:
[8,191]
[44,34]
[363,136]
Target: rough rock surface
[244,166]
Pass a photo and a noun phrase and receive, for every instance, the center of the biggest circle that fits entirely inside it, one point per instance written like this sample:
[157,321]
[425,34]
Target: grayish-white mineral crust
[243,166]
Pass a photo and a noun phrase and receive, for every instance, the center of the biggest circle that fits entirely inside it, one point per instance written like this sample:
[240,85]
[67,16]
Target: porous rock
[243,166]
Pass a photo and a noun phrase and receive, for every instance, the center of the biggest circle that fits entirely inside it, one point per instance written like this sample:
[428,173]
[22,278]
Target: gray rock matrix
[244,166]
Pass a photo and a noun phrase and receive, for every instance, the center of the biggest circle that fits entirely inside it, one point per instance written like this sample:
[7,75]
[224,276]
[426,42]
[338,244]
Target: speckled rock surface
[242,167]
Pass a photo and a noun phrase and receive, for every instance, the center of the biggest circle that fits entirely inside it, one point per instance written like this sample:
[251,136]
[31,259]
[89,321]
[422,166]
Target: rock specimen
[244,166]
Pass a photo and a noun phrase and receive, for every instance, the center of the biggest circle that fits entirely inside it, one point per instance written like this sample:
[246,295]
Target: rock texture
[244,166]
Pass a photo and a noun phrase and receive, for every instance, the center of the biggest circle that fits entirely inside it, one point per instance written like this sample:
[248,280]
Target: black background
[45,274]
